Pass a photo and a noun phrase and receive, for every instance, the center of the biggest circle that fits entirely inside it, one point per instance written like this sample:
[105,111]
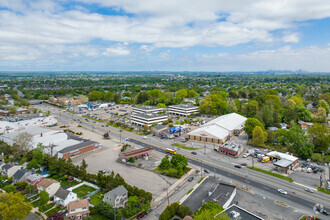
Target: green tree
[108,96]
[259,136]
[142,97]
[108,211]
[21,185]
[214,104]
[321,115]
[179,159]
[95,96]
[210,210]
[192,94]
[250,124]
[323,104]
[44,197]
[22,144]
[29,188]
[12,109]
[319,133]
[33,164]
[13,206]
[161,105]
[131,159]
[165,163]
[181,94]
[252,108]
[303,114]
[9,188]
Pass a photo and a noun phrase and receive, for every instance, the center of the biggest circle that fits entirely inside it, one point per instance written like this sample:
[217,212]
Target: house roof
[118,191]
[19,174]
[7,166]
[62,193]
[45,183]
[78,204]
[34,177]
[229,121]
[77,146]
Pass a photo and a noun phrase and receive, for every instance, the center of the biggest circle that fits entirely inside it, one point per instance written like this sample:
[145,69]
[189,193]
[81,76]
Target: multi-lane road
[256,180]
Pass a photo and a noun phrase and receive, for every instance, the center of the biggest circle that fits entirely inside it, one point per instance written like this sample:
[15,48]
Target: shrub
[131,160]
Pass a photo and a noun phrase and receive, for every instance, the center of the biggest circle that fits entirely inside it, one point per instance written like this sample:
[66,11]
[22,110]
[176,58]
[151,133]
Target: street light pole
[120,135]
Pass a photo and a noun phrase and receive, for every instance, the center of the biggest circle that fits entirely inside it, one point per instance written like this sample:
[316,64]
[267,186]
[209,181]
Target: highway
[256,180]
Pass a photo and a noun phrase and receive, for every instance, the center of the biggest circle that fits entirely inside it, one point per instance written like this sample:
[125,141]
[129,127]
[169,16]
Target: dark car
[325,212]
[238,166]
[190,178]
[194,153]
[206,171]
[141,215]
[316,170]
[243,164]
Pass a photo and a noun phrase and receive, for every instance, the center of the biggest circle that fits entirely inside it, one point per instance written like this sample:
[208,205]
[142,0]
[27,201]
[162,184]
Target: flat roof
[283,163]
[282,155]
[148,115]
[147,107]
[183,106]
[77,146]
[221,192]
[229,121]
[211,131]
[243,214]
[31,130]
[137,152]
[231,146]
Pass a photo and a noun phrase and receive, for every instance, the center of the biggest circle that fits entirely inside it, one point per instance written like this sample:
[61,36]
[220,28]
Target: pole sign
[175,129]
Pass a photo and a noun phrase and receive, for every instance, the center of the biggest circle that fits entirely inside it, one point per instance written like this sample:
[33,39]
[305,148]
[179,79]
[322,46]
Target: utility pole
[120,134]
[252,161]
[168,199]
[202,170]
[247,182]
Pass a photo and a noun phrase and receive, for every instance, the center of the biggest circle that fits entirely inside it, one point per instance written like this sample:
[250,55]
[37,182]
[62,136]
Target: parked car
[243,164]
[141,215]
[190,178]
[238,166]
[245,155]
[282,191]
[194,153]
[144,137]
[325,212]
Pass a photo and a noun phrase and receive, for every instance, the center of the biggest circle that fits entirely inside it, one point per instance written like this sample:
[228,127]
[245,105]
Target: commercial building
[78,149]
[64,101]
[142,152]
[282,161]
[182,109]
[219,130]
[235,212]
[146,109]
[231,149]
[147,119]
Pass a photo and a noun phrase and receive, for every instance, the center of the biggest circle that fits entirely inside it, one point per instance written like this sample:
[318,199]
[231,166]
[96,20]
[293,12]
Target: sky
[164,35]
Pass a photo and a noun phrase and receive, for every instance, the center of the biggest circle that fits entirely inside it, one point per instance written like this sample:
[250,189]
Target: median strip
[272,174]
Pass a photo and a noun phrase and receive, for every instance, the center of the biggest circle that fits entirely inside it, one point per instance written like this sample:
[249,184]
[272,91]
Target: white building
[49,185]
[147,119]
[182,109]
[64,197]
[219,130]
[146,110]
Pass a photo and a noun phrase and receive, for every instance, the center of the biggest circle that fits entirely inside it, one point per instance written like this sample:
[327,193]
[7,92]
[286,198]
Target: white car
[282,191]
[144,137]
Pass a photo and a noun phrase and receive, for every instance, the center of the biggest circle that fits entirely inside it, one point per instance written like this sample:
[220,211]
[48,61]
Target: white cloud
[291,38]
[118,50]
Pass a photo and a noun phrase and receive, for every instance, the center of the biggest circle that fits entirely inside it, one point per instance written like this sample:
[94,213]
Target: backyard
[96,199]
[83,190]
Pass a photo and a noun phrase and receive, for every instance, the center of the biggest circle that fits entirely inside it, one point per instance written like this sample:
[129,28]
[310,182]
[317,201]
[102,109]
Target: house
[9,170]
[49,185]
[117,197]
[21,175]
[64,197]
[78,209]
[305,125]
[34,179]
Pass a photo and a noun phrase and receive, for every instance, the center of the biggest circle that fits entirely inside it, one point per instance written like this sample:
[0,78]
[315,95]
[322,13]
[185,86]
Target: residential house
[21,175]
[78,209]
[34,179]
[9,170]
[49,185]
[117,197]
[305,125]
[64,197]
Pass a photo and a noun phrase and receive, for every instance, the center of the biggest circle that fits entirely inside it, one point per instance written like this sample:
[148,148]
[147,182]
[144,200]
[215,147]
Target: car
[324,211]
[144,137]
[321,170]
[243,164]
[282,191]
[102,171]
[190,179]
[309,190]
[206,171]
[194,153]
[141,215]
[238,166]
[245,155]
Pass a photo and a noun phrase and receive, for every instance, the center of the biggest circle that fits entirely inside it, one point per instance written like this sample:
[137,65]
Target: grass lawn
[185,147]
[172,172]
[94,119]
[323,190]
[83,190]
[97,198]
[272,174]
[46,207]
[65,183]
[36,203]
[54,210]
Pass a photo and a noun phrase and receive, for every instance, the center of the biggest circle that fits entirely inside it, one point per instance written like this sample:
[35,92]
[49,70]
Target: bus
[171,151]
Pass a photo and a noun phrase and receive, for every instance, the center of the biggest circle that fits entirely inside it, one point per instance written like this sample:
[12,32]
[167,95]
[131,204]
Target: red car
[141,215]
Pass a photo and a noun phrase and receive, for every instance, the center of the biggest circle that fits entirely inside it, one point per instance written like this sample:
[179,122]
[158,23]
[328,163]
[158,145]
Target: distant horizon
[180,35]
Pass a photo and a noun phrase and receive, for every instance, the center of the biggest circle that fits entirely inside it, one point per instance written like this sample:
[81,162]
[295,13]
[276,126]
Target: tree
[38,154]
[161,105]
[165,163]
[142,97]
[321,115]
[250,124]
[44,197]
[303,114]
[9,188]
[258,136]
[210,210]
[323,104]
[252,108]
[95,96]
[179,159]
[12,109]
[13,206]
[22,143]
[319,133]
[108,96]
[21,185]
[131,159]
[29,188]
[108,211]
[181,94]
[175,209]
[33,164]
[192,94]
[214,104]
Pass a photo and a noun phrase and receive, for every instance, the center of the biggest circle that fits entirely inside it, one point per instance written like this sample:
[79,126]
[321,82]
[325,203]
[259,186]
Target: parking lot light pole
[120,135]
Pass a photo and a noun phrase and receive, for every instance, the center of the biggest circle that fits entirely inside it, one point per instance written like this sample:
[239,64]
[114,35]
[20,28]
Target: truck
[265,159]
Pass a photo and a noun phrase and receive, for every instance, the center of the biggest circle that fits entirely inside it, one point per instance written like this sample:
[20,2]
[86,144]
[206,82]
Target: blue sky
[176,35]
